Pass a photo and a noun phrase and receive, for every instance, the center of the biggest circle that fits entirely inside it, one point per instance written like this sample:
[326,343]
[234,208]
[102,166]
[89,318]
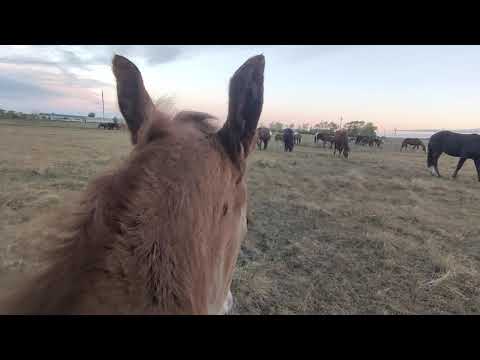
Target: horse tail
[429,156]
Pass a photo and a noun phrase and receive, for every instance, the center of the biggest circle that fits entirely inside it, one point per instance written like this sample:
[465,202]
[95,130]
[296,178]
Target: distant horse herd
[463,146]
[338,141]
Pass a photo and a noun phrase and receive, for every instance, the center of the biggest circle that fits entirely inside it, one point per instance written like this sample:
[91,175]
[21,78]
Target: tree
[305,126]
[92,114]
[332,126]
[369,130]
[115,120]
[354,127]
[276,126]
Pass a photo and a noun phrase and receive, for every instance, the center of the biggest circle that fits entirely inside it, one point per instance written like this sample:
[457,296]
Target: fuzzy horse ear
[134,102]
[244,108]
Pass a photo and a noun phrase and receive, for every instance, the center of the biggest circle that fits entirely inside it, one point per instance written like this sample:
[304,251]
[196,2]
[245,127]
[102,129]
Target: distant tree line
[354,128]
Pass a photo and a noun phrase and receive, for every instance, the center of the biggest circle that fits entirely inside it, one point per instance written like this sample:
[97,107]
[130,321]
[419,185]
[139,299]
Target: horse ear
[244,108]
[134,102]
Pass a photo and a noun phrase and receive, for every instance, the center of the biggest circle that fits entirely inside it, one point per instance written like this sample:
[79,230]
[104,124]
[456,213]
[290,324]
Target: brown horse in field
[160,234]
[415,142]
[263,137]
[340,141]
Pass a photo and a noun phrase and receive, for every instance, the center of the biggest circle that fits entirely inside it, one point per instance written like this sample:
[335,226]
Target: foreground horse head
[161,234]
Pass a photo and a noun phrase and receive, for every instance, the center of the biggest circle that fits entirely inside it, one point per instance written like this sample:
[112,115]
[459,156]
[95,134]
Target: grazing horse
[297,137]
[324,138]
[414,142]
[109,126]
[263,137]
[161,233]
[364,140]
[288,139]
[464,146]
[375,141]
[341,143]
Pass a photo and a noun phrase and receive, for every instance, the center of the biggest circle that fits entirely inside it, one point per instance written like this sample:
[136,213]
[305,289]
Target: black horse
[464,146]
[323,137]
[109,126]
[288,139]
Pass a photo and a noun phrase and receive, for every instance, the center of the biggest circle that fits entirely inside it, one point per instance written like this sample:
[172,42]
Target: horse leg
[459,166]
[477,165]
[435,162]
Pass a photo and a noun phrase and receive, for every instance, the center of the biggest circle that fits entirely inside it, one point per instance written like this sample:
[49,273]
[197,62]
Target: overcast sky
[407,87]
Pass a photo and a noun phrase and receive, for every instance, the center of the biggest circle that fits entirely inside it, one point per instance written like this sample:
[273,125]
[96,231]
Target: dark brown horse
[288,139]
[414,142]
[375,141]
[362,140]
[161,233]
[341,143]
[263,137]
[464,146]
[325,138]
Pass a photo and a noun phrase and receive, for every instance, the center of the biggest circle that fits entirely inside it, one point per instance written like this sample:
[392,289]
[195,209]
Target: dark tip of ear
[257,61]
[120,62]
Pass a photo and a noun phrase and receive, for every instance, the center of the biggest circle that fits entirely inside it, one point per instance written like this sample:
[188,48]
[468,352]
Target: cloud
[11,88]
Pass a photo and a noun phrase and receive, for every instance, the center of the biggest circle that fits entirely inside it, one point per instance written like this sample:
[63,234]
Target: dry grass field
[374,234]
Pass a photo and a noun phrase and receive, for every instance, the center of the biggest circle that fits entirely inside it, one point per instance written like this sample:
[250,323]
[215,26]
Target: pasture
[374,234]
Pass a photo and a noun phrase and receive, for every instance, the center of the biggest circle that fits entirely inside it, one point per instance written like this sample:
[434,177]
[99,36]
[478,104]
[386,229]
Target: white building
[75,118]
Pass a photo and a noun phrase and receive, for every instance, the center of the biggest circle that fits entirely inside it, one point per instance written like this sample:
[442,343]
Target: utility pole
[103,107]
[341,120]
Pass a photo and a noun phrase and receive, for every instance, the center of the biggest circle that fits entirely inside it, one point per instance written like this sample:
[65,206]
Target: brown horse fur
[161,234]
[340,141]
